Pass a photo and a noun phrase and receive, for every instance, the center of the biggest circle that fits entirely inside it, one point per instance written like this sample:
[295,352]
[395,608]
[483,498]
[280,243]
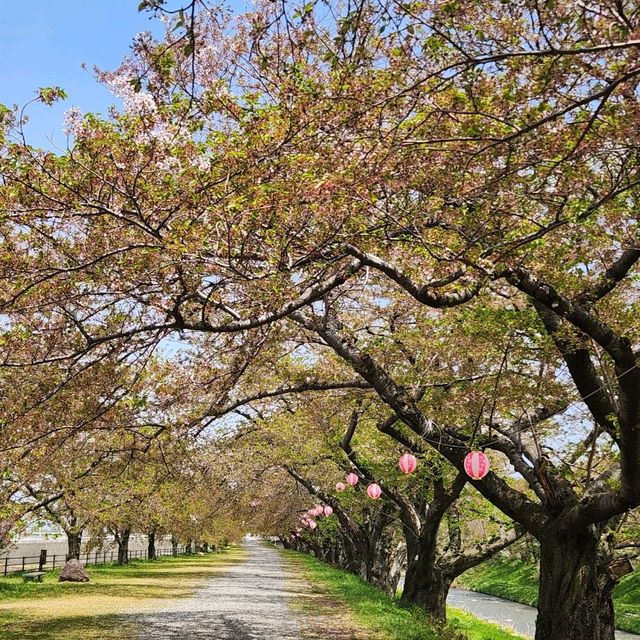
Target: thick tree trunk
[426,585]
[431,593]
[453,527]
[574,600]
[74,544]
[189,548]
[383,571]
[352,557]
[122,539]
[413,545]
[151,546]
[174,547]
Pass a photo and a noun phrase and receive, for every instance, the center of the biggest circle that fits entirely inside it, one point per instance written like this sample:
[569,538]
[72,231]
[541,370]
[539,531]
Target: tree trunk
[188,547]
[74,543]
[425,584]
[574,600]
[122,539]
[453,527]
[151,546]
[431,593]
[174,547]
[381,564]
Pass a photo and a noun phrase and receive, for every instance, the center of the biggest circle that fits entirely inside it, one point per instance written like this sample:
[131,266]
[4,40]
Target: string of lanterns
[476,466]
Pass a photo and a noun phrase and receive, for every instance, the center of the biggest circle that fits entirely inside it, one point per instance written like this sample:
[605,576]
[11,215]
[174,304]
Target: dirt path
[259,599]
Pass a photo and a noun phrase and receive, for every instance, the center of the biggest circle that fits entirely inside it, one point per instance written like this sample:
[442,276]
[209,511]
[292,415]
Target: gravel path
[249,601]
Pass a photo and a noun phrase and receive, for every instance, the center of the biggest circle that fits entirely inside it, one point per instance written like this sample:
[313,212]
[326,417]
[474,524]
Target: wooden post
[43,559]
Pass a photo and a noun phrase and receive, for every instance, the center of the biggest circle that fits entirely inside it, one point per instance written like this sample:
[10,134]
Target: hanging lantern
[476,464]
[312,524]
[374,491]
[352,479]
[328,511]
[408,463]
[340,486]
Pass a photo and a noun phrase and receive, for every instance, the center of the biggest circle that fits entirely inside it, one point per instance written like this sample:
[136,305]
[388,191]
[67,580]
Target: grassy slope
[517,581]
[381,614]
[54,610]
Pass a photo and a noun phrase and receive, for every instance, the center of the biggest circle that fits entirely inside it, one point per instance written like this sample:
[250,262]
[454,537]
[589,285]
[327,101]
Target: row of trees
[82,452]
[425,210]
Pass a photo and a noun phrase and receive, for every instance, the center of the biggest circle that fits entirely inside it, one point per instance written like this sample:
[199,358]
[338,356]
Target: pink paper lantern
[352,479]
[328,511]
[374,491]
[476,465]
[340,486]
[408,463]
[312,524]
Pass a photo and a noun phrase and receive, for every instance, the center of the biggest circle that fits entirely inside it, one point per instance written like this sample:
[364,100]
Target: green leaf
[49,95]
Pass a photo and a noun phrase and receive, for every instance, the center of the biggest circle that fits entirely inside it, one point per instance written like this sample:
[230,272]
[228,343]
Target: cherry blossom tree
[304,166]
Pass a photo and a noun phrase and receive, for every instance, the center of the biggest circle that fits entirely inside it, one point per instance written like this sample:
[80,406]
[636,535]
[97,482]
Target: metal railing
[44,562]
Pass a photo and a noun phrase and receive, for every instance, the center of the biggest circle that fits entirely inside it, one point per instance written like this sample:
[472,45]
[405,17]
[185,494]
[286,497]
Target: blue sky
[45,42]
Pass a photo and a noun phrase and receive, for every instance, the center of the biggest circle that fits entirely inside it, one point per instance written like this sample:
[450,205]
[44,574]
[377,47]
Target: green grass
[514,580]
[475,629]
[87,611]
[382,616]
[509,579]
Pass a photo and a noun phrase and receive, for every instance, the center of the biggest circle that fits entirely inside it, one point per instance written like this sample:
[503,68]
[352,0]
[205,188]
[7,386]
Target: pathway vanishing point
[252,600]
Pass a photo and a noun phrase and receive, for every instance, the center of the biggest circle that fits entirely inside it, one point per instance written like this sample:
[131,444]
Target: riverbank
[518,581]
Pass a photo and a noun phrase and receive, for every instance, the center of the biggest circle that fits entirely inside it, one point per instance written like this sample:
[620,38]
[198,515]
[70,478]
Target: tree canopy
[414,223]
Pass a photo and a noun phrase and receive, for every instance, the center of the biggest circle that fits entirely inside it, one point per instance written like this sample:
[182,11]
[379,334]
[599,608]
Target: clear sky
[45,42]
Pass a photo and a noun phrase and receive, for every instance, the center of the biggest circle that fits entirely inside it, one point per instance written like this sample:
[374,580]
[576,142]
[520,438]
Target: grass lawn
[383,617]
[53,610]
[517,581]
